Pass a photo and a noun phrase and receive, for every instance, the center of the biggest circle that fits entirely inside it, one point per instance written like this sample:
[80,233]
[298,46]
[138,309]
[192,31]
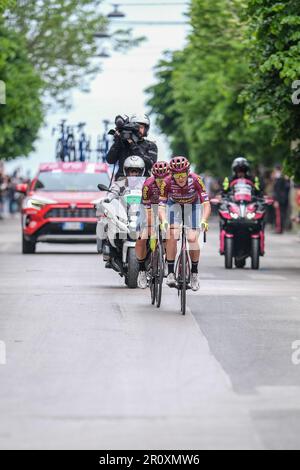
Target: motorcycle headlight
[38,203]
[234,215]
[108,214]
[251,215]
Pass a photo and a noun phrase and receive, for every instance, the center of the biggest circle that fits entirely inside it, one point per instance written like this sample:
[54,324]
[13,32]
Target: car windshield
[83,182]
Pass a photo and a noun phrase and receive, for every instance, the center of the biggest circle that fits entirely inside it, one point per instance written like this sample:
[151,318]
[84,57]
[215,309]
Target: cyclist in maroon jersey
[151,197]
[184,192]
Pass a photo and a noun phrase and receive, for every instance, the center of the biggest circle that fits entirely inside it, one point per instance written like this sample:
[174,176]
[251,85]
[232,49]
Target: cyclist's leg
[194,245]
[193,236]
[143,230]
[173,235]
[192,216]
[141,248]
[141,254]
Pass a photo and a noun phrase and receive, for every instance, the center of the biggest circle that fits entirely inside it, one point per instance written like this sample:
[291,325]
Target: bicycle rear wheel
[153,283]
[183,281]
[160,275]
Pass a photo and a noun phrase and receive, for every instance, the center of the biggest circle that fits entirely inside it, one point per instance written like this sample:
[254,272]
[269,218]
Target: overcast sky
[119,89]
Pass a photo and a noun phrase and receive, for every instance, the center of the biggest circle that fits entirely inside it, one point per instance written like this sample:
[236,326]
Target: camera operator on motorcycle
[130,139]
[183,190]
[241,170]
[134,167]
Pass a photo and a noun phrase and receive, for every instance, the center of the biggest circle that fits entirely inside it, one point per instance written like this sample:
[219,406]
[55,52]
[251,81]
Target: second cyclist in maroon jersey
[150,200]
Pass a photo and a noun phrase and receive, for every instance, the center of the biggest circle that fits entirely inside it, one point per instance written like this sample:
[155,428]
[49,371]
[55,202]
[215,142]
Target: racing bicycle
[183,269]
[157,271]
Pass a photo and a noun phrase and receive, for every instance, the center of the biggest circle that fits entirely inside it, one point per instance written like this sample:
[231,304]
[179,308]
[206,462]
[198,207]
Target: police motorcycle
[119,217]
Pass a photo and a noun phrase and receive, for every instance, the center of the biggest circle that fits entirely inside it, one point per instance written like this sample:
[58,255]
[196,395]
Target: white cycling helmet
[141,119]
[134,163]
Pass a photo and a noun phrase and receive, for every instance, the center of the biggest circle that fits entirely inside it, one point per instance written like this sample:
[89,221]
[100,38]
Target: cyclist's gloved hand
[204,226]
[164,226]
[153,242]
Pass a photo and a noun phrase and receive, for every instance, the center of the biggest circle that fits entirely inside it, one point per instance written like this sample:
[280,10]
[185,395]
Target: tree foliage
[61,43]
[196,97]
[48,47]
[274,31]
[22,115]
[4,4]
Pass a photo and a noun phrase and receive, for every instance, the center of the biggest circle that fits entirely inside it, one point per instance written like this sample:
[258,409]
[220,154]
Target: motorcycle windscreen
[134,190]
[243,191]
[135,183]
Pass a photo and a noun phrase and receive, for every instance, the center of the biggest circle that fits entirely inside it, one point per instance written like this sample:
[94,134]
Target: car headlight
[251,215]
[38,203]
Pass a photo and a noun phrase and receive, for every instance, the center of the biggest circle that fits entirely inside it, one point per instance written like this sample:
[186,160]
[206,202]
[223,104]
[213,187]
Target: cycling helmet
[161,169]
[240,164]
[179,165]
[142,119]
[134,163]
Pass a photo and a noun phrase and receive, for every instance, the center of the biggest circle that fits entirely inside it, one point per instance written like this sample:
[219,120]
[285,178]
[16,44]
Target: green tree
[47,47]
[203,86]
[275,48]
[4,4]
[22,115]
[163,103]
[61,43]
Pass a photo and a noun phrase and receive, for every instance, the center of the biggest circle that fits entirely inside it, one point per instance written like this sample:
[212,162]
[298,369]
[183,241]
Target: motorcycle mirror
[102,187]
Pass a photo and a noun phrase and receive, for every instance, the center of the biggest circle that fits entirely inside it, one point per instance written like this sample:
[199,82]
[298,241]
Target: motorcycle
[242,226]
[117,230]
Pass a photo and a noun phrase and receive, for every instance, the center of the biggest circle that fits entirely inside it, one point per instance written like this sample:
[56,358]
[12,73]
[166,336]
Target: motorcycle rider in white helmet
[133,167]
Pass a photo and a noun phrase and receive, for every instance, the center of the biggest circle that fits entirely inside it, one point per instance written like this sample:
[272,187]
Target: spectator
[2,187]
[296,217]
[281,194]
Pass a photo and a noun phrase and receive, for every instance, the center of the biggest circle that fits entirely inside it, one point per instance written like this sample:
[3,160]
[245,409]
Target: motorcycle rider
[151,195]
[183,189]
[122,149]
[241,169]
[134,166]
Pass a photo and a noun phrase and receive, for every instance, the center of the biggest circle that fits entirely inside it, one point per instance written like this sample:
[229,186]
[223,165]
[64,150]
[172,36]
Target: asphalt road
[91,365]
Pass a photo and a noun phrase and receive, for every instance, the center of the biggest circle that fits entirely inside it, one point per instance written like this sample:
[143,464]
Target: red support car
[59,204]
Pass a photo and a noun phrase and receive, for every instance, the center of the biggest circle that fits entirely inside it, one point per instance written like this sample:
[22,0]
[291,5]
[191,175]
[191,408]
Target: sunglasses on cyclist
[178,176]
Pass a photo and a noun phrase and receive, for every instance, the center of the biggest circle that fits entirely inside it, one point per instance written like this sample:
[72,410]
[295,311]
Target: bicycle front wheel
[183,281]
[153,284]
[160,275]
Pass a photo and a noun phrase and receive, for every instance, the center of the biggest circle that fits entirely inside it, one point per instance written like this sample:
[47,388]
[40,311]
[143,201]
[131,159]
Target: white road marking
[267,277]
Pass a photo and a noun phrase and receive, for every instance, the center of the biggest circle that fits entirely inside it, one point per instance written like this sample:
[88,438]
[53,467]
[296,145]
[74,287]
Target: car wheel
[228,253]
[28,247]
[255,255]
